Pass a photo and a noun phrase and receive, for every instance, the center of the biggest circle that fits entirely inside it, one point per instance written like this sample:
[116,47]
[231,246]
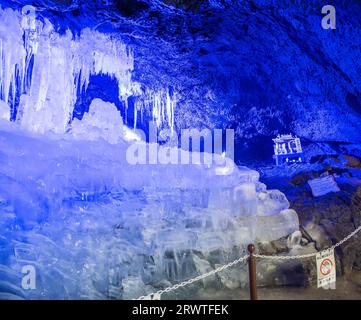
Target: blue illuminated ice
[90,222]
[39,65]
[93,225]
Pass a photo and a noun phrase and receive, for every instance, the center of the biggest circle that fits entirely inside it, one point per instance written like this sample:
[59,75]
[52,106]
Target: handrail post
[252,273]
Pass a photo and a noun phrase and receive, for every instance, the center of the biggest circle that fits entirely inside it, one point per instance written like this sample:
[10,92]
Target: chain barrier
[157,295]
[309,255]
[190,281]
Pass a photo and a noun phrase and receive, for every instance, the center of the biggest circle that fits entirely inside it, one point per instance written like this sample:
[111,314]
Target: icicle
[53,69]
[1,69]
[135,115]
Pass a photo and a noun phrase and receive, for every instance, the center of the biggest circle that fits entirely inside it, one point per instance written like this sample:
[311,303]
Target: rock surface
[328,219]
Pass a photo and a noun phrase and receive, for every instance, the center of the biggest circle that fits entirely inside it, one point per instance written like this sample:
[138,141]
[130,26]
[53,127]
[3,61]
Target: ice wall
[96,227]
[42,73]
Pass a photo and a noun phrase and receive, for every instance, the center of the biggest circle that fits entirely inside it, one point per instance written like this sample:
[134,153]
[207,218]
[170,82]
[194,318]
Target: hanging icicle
[42,72]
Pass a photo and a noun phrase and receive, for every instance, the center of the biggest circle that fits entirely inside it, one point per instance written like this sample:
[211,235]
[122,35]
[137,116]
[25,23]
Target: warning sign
[326,268]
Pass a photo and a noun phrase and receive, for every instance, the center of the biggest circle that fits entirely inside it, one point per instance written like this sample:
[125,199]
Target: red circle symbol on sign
[326,267]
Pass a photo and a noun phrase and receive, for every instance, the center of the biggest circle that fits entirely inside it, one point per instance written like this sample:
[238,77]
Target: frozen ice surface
[4,110]
[269,228]
[271,202]
[94,225]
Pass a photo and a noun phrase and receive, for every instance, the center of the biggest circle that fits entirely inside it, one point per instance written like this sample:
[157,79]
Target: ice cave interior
[80,81]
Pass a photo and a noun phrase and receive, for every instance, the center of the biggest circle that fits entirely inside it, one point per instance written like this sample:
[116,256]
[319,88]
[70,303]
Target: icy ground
[96,227]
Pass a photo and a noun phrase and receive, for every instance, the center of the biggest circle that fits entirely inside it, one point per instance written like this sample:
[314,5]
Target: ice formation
[45,65]
[93,225]
[103,121]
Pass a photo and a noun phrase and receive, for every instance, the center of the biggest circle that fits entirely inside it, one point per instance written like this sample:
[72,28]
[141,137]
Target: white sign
[326,268]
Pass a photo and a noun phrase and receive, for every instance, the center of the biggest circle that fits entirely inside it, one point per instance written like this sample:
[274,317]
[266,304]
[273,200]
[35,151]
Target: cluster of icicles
[43,72]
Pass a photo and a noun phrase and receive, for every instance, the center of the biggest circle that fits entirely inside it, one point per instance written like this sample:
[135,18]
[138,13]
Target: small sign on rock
[323,186]
[326,268]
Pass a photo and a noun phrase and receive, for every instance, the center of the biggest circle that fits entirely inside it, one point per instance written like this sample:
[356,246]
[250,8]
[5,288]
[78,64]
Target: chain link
[190,281]
[242,259]
[303,256]
[309,255]
[347,238]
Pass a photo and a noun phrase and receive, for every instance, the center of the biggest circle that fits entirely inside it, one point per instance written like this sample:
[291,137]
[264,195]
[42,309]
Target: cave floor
[347,288]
